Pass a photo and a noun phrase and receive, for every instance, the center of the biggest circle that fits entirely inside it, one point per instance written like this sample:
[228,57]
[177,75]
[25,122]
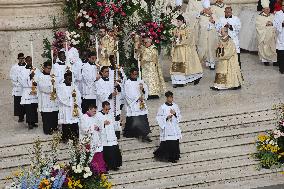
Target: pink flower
[107,10]
[123,14]
[99,4]
[157,41]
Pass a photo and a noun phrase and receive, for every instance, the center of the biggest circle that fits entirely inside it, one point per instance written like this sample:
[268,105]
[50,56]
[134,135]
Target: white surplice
[277,23]
[235,22]
[89,127]
[26,83]
[66,104]
[15,73]
[108,136]
[89,75]
[169,128]
[59,71]
[45,88]
[132,95]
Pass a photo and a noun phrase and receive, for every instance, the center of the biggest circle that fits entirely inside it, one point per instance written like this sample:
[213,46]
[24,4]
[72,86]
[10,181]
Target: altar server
[278,23]
[28,81]
[266,35]
[136,93]
[233,23]
[109,90]
[15,73]
[90,129]
[89,77]
[168,118]
[111,151]
[207,40]
[60,67]
[47,100]
[228,72]
[69,99]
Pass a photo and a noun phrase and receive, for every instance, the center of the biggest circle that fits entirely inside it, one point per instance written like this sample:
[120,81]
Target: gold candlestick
[53,94]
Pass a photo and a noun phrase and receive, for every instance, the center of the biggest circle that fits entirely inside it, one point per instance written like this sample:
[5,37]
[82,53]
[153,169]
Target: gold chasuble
[185,60]
[108,46]
[151,70]
[228,72]
[266,37]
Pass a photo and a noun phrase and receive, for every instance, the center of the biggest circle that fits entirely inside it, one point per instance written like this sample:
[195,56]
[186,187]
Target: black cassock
[136,126]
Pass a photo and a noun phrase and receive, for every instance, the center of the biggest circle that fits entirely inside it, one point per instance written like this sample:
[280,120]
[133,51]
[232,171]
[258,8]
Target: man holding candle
[29,99]
[17,88]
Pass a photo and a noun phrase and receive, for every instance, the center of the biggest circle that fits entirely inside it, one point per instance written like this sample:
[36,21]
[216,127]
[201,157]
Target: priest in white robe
[266,35]
[89,129]
[69,100]
[233,23]
[111,151]
[90,76]
[278,23]
[207,40]
[29,99]
[17,90]
[136,93]
[218,8]
[109,90]
[47,101]
[168,118]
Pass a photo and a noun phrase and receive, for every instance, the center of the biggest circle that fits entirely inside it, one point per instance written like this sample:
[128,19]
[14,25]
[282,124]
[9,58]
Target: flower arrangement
[270,145]
[46,172]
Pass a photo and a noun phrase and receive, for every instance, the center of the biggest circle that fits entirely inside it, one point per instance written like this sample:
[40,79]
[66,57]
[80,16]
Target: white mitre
[265,3]
[206,4]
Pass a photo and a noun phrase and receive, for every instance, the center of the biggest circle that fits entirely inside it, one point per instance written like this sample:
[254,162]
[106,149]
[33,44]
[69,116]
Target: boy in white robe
[89,77]
[47,102]
[60,67]
[168,118]
[109,90]
[15,72]
[69,99]
[136,93]
[111,151]
[29,99]
[278,23]
[89,128]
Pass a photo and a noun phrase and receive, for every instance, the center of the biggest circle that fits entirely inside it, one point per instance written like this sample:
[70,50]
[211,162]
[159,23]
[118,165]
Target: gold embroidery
[178,67]
[220,78]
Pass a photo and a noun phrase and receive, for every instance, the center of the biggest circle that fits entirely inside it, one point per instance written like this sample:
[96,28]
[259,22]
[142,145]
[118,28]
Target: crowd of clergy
[86,94]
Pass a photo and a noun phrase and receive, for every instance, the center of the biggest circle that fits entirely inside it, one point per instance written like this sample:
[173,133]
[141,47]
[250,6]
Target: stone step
[195,124]
[253,182]
[177,169]
[186,179]
[134,144]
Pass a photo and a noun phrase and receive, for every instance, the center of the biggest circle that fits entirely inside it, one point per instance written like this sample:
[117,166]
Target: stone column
[19,19]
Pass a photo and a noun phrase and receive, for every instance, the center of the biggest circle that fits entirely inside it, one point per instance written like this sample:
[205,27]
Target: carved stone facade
[19,19]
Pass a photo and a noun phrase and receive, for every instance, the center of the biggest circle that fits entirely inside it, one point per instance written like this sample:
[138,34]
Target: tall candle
[97,48]
[32,51]
[117,54]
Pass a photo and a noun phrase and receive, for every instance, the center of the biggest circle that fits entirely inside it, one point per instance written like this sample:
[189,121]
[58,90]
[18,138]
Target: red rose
[99,4]
[123,14]
[157,41]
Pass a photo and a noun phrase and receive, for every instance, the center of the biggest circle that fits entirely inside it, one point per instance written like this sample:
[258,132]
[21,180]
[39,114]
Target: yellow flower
[262,137]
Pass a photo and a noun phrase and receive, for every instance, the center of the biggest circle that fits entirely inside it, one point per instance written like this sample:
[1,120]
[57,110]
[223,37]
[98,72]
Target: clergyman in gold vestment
[228,72]
[186,67]
[151,70]
[266,35]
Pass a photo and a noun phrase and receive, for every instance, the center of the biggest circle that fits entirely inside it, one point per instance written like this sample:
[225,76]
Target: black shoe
[275,64]
[196,81]
[215,89]
[282,72]
[173,161]
[30,126]
[21,120]
[35,125]
[180,85]
[146,139]
[266,63]
[236,88]
[212,68]
[174,86]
